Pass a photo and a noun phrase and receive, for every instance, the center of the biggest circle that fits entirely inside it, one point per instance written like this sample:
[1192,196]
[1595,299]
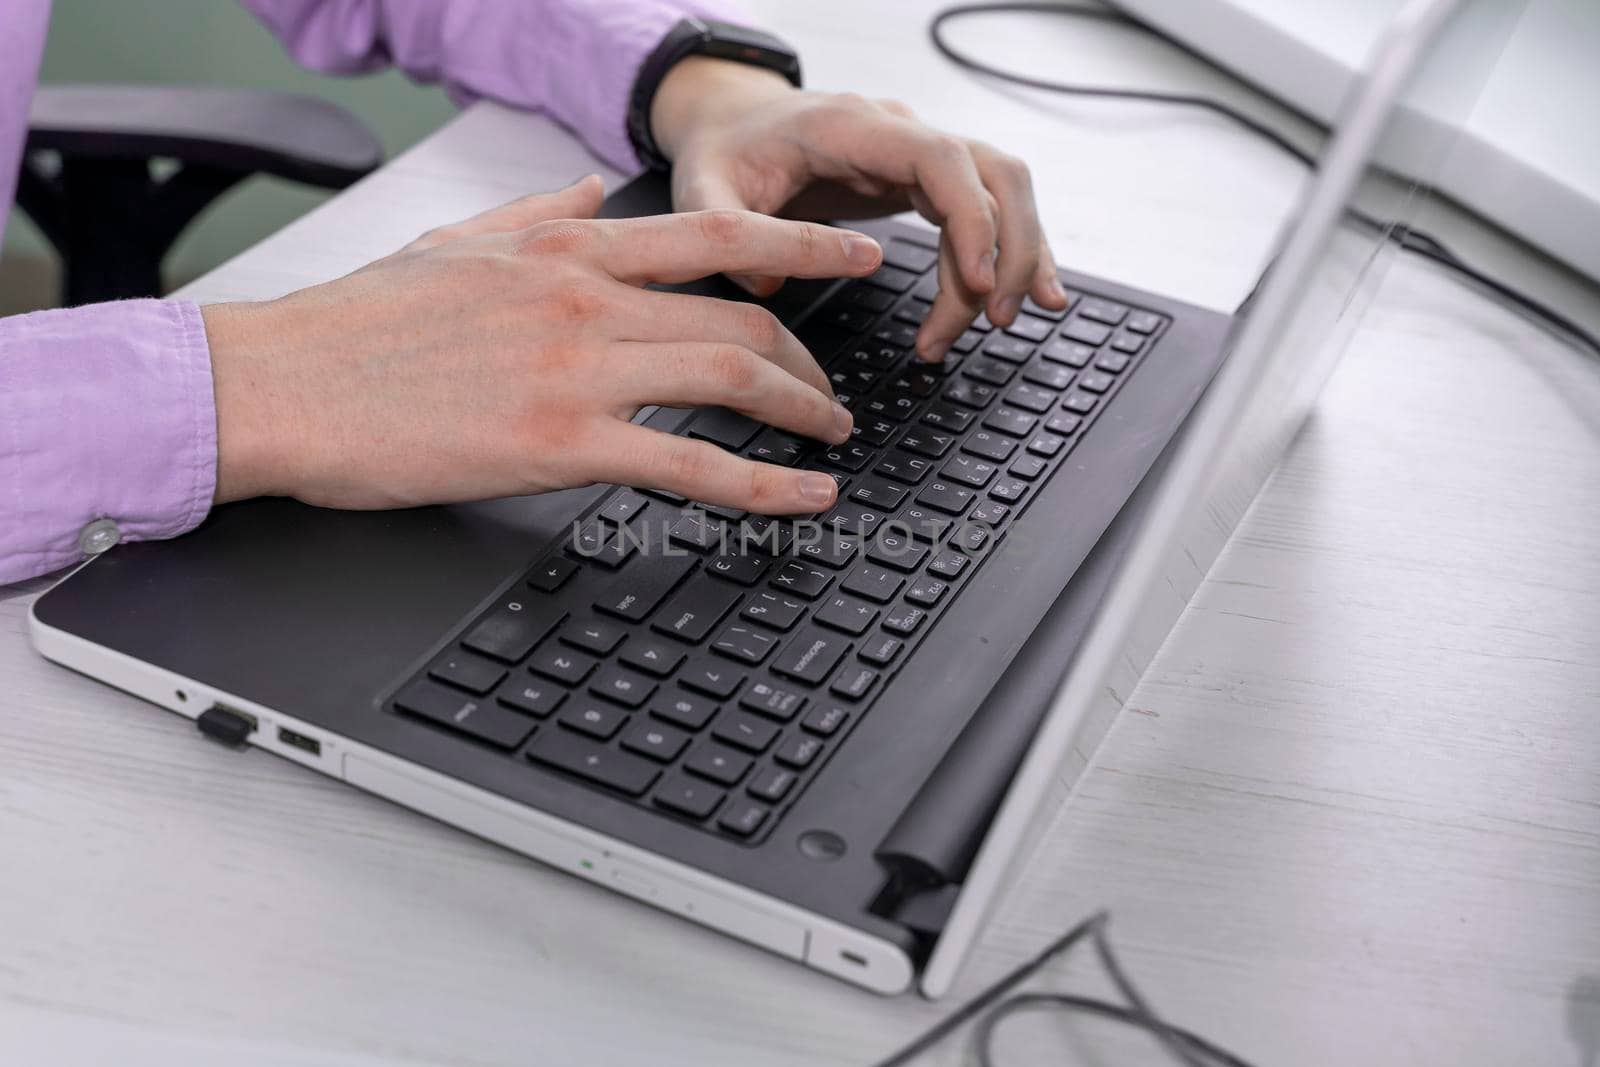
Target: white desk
[1352,816]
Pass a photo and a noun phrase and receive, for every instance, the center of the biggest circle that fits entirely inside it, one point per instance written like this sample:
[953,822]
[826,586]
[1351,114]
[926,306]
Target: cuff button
[98,536]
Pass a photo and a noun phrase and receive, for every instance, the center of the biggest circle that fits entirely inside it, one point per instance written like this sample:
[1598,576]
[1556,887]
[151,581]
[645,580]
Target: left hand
[742,137]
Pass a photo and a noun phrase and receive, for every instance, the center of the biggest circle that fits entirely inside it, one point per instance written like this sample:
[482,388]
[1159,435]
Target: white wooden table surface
[1351,816]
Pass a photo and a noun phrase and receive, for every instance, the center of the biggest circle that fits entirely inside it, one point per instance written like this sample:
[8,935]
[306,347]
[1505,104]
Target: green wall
[203,41]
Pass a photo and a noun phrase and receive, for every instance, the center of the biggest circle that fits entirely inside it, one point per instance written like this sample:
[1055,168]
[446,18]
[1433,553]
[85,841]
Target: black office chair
[87,182]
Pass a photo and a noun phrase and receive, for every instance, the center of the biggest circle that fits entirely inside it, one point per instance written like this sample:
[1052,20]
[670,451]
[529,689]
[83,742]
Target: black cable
[1410,239]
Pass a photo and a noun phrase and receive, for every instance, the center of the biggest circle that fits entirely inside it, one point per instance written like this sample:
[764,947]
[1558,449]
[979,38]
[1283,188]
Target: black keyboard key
[1112,362]
[605,544]
[773,701]
[511,631]
[926,591]
[772,784]
[903,467]
[1085,332]
[825,719]
[683,709]
[896,335]
[1062,423]
[466,671]
[742,569]
[966,342]
[801,579]
[855,519]
[639,588]
[891,278]
[773,609]
[1027,468]
[652,657]
[594,719]
[971,537]
[1146,322]
[900,548]
[718,763]
[476,718]
[1012,421]
[990,513]
[744,817]
[913,311]
[744,731]
[697,530]
[1049,376]
[857,295]
[926,442]
[723,427]
[744,643]
[1009,349]
[923,525]
[1095,381]
[628,688]
[660,743]
[688,797]
[562,664]
[991,446]
[1031,398]
[710,676]
[847,614]
[904,620]
[1029,328]
[663,494]
[531,696]
[623,505]
[552,574]
[798,751]
[970,394]
[830,548]
[952,499]
[949,564]
[696,608]
[878,493]
[1107,311]
[762,535]
[1068,353]
[907,256]
[988,370]
[811,655]
[873,583]
[597,763]
[1046,445]
[917,382]
[843,318]
[1010,490]
[849,456]
[853,682]
[880,650]
[1082,403]
[593,635]
[874,432]
[947,417]
[969,470]
[772,446]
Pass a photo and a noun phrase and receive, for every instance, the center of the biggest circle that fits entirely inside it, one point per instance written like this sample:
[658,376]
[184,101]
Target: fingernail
[861,251]
[816,490]
[1057,291]
[1007,309]
[986,270]
[842,421]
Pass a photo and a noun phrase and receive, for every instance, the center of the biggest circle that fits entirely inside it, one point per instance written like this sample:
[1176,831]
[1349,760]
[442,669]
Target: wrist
[701,92]
[247,459]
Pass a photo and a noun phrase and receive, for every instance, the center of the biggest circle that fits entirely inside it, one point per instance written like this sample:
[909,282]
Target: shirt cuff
[106,412]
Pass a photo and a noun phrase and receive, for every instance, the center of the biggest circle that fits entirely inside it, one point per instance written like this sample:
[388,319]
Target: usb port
[300,741]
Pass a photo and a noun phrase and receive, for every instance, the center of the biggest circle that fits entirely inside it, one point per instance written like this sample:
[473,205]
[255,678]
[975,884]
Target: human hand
[742,137]
[506,354]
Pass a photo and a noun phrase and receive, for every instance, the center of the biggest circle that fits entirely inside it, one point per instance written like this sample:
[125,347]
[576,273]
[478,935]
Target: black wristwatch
[699,37]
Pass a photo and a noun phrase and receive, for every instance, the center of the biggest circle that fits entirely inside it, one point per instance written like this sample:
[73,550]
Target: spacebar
[573,754]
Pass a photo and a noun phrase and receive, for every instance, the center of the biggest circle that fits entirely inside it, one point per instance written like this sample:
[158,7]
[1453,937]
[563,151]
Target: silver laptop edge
[1186,485]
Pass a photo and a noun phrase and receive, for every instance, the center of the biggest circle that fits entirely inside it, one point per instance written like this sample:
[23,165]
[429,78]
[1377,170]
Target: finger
[699,470]
[670,249]
[954,308]
[660,316]
[1046,288]
[854,141]
[1007,179]
[696,373]
[580,200]
[708,188]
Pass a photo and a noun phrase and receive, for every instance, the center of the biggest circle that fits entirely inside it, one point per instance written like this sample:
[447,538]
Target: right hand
[505,355]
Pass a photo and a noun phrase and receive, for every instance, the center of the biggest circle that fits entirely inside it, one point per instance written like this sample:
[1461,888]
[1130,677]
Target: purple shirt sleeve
[106,411]
[573,59]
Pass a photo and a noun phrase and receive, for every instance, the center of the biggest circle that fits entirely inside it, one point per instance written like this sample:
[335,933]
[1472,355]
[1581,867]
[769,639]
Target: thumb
[710,191]
[580,200]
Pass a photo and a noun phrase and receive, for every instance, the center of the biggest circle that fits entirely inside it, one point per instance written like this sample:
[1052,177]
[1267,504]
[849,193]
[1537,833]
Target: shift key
[644,583]
[811,655]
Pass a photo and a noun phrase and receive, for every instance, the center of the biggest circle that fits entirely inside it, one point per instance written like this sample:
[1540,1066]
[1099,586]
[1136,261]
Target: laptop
[831,738]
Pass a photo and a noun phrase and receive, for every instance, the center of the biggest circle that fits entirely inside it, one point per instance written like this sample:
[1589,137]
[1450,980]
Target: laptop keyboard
[702,662]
